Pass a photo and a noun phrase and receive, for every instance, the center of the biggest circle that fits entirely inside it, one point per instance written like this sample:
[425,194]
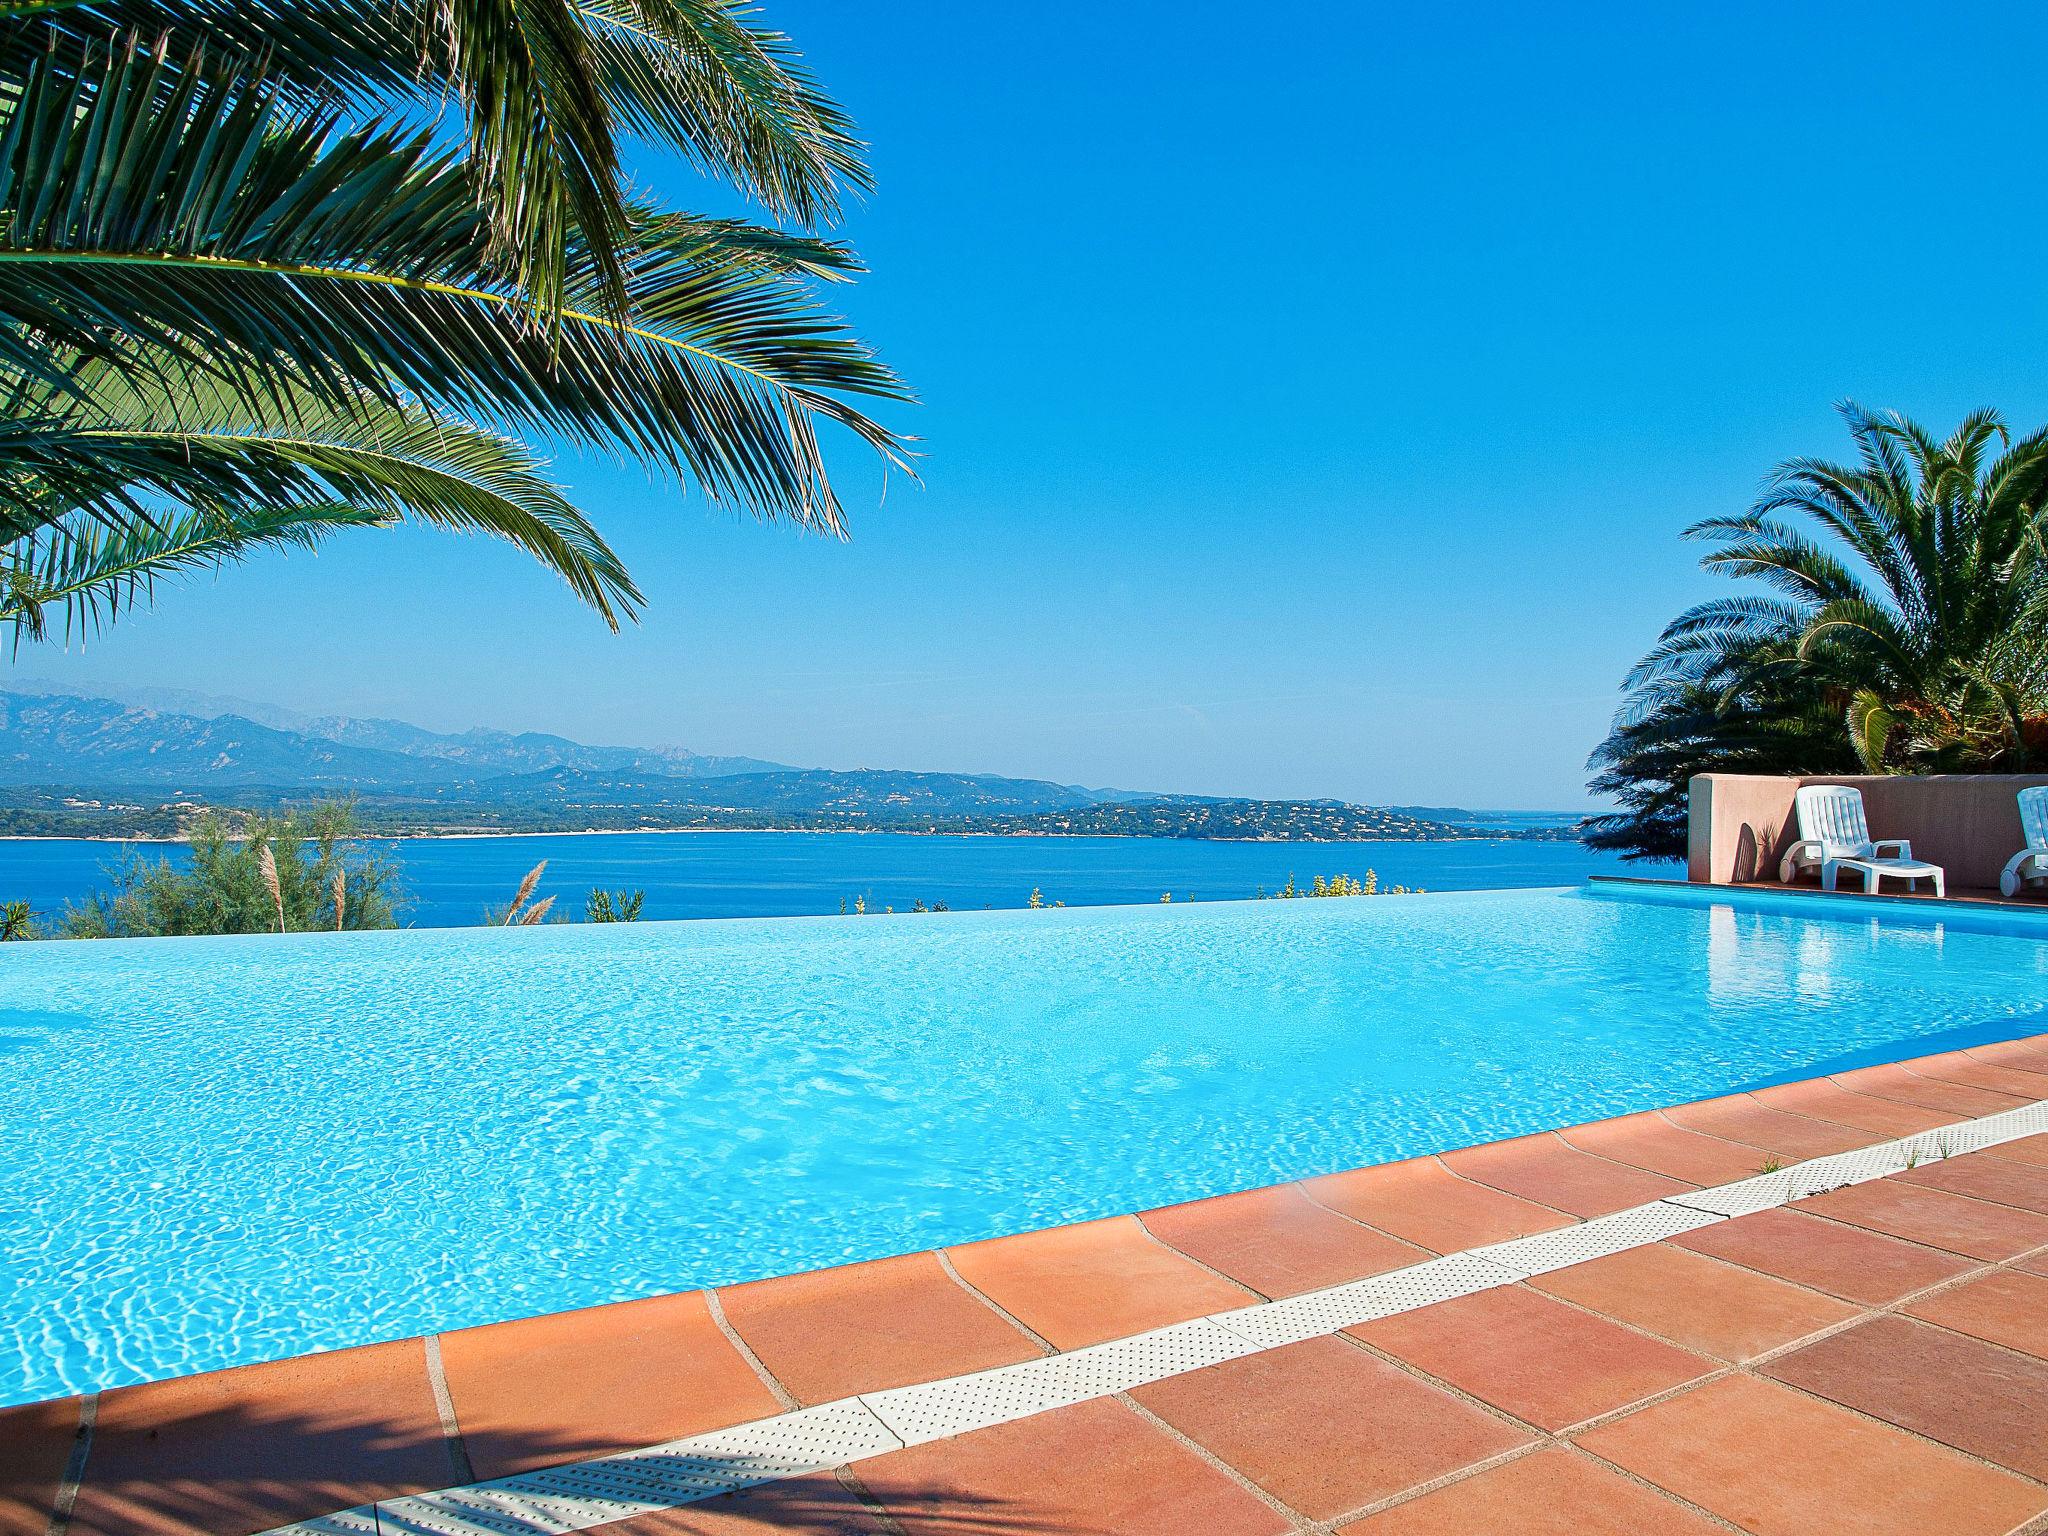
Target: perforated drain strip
[581,1495]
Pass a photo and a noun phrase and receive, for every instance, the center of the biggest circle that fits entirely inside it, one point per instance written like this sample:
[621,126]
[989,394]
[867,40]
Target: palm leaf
[111,449]
[545,87]
[92,571]
[224,234]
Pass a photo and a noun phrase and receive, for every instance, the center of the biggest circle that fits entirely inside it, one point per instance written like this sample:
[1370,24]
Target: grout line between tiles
[74,1466]
[1279,1506]
[1202,1264]
[1438,1159]
[1044,1344]
[760,1367]
[444,1405]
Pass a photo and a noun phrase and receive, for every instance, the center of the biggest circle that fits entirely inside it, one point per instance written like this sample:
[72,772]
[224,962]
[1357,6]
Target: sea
[449,881]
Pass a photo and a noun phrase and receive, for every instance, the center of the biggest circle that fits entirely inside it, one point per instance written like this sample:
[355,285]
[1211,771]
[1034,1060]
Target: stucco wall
[1969,823]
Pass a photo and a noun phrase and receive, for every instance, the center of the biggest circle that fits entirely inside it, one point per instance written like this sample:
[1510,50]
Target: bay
[449,881]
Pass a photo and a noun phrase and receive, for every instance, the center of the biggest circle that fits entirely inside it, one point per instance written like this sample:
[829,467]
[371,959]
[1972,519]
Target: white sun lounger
[1833,836]
[2030,865]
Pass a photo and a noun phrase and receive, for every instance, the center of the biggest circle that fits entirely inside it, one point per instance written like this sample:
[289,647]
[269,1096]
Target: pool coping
[557,1500]
[1549,1201]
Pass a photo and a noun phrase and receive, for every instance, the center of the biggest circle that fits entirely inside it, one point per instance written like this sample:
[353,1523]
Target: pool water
[226,1150]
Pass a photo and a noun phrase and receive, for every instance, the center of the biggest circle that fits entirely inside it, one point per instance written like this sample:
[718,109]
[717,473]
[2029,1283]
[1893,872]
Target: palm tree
[251,291]
[1905,626]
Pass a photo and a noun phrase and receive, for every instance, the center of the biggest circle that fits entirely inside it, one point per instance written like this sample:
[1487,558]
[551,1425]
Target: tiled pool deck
[1872,1359]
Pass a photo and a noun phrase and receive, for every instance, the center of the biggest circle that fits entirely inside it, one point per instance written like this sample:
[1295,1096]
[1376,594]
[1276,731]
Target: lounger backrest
[1832,815]
[2034,815]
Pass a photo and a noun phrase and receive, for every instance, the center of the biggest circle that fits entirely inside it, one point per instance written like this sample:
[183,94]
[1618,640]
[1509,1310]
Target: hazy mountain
[54,739]
[100,744]
[484,752]
[166,701]
[50,738]
[95,767]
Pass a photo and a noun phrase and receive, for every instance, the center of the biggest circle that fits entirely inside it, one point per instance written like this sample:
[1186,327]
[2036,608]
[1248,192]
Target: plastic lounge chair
[2030,865]
[1833,836]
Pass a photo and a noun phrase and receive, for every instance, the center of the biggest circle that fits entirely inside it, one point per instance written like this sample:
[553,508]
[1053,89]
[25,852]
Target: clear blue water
[787,874]
[227,1150]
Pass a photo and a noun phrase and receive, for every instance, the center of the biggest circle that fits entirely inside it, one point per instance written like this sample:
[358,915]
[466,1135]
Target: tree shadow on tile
[238,1470]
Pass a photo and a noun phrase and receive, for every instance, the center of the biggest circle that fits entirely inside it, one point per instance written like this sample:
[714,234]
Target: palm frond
[226,235]
[112,449]
[545,87]
[92,571]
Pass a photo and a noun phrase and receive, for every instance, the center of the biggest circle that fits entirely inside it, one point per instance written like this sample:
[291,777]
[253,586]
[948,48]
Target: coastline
[1135,837]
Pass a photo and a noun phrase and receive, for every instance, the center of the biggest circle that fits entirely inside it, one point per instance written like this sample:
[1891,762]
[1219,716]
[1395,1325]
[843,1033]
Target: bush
[322,880]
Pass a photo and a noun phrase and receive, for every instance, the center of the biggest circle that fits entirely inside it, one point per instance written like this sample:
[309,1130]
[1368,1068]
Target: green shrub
[322,880]
[614,907]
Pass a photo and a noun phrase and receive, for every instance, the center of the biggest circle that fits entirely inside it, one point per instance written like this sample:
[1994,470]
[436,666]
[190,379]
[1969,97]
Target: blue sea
[448,882]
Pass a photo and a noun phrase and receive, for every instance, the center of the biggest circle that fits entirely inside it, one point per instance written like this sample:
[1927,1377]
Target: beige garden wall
[1969,823]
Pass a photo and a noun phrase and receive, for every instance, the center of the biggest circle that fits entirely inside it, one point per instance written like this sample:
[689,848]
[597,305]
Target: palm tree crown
[252,290]
[1902,626]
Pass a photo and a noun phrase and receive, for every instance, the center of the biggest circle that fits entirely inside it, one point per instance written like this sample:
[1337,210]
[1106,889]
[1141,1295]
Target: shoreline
[1135,837]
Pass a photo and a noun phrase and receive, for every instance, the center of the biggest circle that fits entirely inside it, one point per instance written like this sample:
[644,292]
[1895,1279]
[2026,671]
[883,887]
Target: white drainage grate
[1975,1135]
[1402,1290]
[584,1494]
[1543,1252]
[1821,1174]
[346,1522]
[941,1408]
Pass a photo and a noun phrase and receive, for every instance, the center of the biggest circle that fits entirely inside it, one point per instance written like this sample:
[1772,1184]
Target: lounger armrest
[1902,848]
[1808,850]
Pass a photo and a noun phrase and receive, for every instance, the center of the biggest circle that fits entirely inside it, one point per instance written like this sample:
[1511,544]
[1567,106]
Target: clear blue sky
[1313,395]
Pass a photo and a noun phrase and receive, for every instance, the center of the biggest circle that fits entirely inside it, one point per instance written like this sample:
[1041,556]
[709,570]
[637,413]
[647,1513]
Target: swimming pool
[226,1150]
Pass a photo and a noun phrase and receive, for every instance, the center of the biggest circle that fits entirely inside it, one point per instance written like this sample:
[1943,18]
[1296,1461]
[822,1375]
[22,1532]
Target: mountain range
[145,763]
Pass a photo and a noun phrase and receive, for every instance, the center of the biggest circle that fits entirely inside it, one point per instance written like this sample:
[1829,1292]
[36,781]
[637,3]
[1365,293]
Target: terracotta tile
[1712,1307]
[1859,1266]
[35,1446]
[2033,1264]
[230,1452]
[1542,1361]
[1961,1391]
[1792,1137]
[1099,1280]
[1823,1100]
[579,1384]
[1424,1202]
[1094,1467]
[1555,1492]
[1778,1464]
[1985,1178]
[1546,1169]
[1325,1427]
[2003,1306]
[2032,1150]
[1933,1217]
[2029,1055]
[1962,1067]
[1278,1241]
[1650,1141]
[863,1327]
[1895,1082]
[817,1505]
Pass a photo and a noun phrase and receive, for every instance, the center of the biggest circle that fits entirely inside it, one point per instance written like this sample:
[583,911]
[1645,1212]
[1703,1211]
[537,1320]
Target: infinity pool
[226,1150]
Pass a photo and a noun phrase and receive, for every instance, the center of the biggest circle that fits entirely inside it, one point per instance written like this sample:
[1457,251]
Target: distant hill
[485,753]
[52,739]
[73,766]
[57,738]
